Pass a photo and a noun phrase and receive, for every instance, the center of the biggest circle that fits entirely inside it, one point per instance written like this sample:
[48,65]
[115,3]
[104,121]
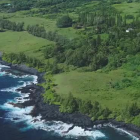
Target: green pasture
[22,42]
[97,86]
[128,8]
[49,24]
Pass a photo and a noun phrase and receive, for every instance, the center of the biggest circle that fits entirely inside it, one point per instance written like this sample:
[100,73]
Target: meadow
[3,1]
[22,42]
[49,24]
[128,8]
[98,86]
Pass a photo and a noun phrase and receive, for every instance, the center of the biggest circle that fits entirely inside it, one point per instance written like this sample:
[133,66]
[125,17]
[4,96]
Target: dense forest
[107,40]
[87,50]
[52,5]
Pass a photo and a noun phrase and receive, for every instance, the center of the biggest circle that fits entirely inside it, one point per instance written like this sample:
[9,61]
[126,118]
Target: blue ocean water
[17,124]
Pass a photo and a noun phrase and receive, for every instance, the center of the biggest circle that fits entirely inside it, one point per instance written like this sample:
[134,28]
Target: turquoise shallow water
[16,124]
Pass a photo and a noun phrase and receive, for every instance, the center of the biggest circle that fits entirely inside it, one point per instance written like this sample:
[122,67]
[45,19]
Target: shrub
[64,21]
[130,17]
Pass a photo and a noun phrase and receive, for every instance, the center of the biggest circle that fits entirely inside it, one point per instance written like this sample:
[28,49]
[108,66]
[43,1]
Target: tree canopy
[64,21]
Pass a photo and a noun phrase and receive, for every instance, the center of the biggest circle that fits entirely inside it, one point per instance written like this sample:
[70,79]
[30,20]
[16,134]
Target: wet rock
[19,105]
[15,119]
[35,120]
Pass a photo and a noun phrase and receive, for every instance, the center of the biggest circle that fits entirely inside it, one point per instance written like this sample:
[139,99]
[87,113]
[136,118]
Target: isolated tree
[64,21]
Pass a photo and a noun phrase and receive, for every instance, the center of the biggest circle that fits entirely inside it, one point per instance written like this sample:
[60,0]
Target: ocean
[17,124]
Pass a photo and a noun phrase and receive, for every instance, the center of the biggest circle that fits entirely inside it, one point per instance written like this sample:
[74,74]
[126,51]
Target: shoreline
[52,113]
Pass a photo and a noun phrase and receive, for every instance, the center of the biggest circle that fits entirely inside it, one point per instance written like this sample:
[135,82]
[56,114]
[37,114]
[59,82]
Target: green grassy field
[87,7]
[128,8]
[96,86]
[4,1]
[49,24]
[22,42]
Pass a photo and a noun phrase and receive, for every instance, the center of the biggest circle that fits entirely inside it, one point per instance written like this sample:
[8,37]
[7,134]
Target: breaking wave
[22,115]
[57,127]
[120,130]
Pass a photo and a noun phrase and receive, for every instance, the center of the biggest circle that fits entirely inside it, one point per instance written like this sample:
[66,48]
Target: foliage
[6,24]
[124,83]
[64,21]
[40,31]
[107,38]
[21,58]
[54,6]
[69,104]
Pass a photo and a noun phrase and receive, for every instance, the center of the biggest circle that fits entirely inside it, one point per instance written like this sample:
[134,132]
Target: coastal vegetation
[90,51]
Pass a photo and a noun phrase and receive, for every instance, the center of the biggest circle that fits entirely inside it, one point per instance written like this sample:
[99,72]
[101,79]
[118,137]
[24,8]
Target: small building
[129,30]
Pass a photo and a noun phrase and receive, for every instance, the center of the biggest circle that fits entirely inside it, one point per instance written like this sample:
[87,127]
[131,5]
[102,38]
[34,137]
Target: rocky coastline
[51,112]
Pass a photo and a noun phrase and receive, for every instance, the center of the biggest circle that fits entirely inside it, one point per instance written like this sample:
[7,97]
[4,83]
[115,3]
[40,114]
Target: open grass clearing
[128,8]
[96,86]
[22,42]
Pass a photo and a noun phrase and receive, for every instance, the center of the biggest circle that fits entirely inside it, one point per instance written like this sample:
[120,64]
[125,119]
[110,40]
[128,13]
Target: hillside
[91,49]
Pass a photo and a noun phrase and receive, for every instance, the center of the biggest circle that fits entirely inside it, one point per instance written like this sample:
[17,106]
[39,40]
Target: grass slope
[22,42]
[4,1]
[97,86]
[49,24]
[128,8]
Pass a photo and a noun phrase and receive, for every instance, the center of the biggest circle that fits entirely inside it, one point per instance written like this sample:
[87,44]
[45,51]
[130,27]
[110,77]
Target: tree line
[9,25]
[40,65]
[51,6]
[104,21]
[21,58]
[40,31]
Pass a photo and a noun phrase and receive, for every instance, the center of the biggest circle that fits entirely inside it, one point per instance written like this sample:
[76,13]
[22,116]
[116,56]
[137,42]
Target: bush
[126,82]
[122,84]
[136,120]
[64,21]
[130,17]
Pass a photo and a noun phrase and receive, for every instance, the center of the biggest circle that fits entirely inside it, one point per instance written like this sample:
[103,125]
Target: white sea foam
[2,73]
[78,131]
[15,112]
[25,76]
[15,76]
[13,89]
[57,127]
[123,131]
[3,66]
[35,78]
[61,128]
[126,132]
[20,113]
[21,99]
